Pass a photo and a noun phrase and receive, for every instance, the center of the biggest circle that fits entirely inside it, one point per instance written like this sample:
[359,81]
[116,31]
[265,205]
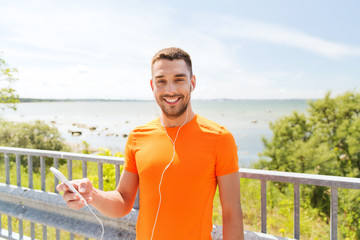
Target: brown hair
[171,54]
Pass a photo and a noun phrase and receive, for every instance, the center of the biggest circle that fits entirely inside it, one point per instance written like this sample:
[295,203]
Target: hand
[83,186]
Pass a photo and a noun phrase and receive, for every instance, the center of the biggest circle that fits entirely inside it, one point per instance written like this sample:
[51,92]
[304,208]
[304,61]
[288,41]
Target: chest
[194,157]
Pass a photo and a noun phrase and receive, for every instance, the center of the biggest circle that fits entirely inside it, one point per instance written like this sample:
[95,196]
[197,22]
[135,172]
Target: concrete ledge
[217,235]
[49,209]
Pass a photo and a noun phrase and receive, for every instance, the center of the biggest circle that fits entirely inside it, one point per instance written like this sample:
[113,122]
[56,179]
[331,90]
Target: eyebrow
[159,76]
[177,75]
[180,75]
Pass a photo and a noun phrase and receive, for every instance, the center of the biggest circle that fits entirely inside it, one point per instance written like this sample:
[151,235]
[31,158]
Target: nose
[171,88]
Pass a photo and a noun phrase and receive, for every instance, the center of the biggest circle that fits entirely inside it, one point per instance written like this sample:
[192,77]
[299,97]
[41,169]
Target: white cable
[162,175]
[102,225]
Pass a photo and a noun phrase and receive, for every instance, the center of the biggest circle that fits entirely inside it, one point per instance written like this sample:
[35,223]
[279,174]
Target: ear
[152,85]
[193,82]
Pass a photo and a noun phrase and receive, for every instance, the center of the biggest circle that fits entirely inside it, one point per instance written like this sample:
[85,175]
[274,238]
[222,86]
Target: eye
[160,81]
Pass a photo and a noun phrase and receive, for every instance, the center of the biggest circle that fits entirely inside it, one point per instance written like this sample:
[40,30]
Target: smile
[172,100]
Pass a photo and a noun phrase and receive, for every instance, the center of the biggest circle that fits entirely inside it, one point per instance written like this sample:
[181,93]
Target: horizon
[146,100]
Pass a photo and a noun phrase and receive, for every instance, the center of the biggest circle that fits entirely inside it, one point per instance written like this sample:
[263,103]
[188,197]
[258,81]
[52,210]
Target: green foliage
[325,140]
[280,211]
[35,135]
[7,94]
[108,171]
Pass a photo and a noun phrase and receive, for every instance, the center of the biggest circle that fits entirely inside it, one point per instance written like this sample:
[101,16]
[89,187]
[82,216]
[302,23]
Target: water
[248,120]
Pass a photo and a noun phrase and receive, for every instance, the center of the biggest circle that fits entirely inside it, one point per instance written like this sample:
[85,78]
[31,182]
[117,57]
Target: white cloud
[235,28]
[95,50]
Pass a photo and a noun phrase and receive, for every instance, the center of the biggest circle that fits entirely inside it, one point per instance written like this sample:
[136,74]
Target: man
[176,161]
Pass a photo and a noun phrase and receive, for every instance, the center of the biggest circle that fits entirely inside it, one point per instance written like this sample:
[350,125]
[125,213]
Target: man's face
[171,83]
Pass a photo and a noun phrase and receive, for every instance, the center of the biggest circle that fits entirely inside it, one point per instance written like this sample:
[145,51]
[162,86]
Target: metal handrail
[56,155]
[333,182]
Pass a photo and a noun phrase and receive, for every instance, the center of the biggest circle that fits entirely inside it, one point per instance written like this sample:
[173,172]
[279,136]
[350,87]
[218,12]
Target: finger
[62,187]
[89,200]
[85,185]
[70,196]
[76,204]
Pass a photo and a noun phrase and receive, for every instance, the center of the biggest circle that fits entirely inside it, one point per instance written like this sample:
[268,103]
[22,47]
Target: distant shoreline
[24,100]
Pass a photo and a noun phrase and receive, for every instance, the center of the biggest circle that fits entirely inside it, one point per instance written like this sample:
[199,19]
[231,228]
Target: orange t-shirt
[204,150]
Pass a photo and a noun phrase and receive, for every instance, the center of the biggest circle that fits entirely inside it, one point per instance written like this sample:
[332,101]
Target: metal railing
[332,182]
[47,208]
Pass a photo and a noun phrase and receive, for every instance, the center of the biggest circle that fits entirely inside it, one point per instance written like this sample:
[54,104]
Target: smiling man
[176,161]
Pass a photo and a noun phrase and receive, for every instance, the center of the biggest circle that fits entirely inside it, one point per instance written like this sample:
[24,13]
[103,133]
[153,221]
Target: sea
[107,123]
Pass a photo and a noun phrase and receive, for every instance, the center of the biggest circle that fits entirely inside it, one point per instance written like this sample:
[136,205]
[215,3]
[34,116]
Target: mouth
[172,100]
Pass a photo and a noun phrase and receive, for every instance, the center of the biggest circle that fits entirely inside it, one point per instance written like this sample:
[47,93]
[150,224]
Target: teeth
[171,100]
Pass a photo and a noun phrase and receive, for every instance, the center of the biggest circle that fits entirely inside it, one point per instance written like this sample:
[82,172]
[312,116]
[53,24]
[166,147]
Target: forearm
[233,228]
[111,203]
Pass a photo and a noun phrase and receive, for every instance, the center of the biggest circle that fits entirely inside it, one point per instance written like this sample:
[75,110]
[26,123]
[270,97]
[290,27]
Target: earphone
[172,159]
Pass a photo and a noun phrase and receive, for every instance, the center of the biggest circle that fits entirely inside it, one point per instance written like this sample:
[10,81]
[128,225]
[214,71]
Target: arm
[115,203]
[229,189]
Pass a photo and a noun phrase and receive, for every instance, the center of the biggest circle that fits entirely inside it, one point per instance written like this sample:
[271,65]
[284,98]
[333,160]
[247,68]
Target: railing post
[42,170]
[44,232]
[263,206]
[296,210]
[333,213]
[32,230]
[30,171]
[10,226]
[117,174]
[84,169]
[69,165]
[100,176]
[18,170]
[21,231]
[56,181]
[57,234]
[7,168]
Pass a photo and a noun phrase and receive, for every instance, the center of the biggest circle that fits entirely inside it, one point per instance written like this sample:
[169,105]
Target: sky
[241,49]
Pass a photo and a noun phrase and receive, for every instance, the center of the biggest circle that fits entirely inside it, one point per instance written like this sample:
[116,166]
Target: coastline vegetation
[326,141]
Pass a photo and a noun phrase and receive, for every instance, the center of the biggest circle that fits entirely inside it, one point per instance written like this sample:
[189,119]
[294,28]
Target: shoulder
[209,126]
[153,125]
[147,130]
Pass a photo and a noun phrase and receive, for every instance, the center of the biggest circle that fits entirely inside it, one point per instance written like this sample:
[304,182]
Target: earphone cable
[167,166]
[102,225]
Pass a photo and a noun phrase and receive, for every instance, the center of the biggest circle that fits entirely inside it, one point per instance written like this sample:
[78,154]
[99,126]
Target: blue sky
[255,49]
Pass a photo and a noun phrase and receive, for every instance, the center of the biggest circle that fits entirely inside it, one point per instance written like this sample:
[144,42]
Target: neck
[186,117]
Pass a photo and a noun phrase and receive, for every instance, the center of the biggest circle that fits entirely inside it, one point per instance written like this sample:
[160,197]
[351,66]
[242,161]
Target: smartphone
[63,179]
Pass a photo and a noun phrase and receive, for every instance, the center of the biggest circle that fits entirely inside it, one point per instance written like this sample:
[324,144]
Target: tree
[325,140]
[7,94]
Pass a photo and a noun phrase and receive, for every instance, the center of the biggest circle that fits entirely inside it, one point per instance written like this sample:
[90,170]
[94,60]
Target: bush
[35,135]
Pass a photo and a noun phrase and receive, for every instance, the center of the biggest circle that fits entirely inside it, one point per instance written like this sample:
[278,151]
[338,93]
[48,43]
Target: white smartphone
[63,179]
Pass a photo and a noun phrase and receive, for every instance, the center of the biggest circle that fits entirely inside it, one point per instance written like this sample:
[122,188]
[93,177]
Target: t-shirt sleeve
[130,162]
[226,154]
